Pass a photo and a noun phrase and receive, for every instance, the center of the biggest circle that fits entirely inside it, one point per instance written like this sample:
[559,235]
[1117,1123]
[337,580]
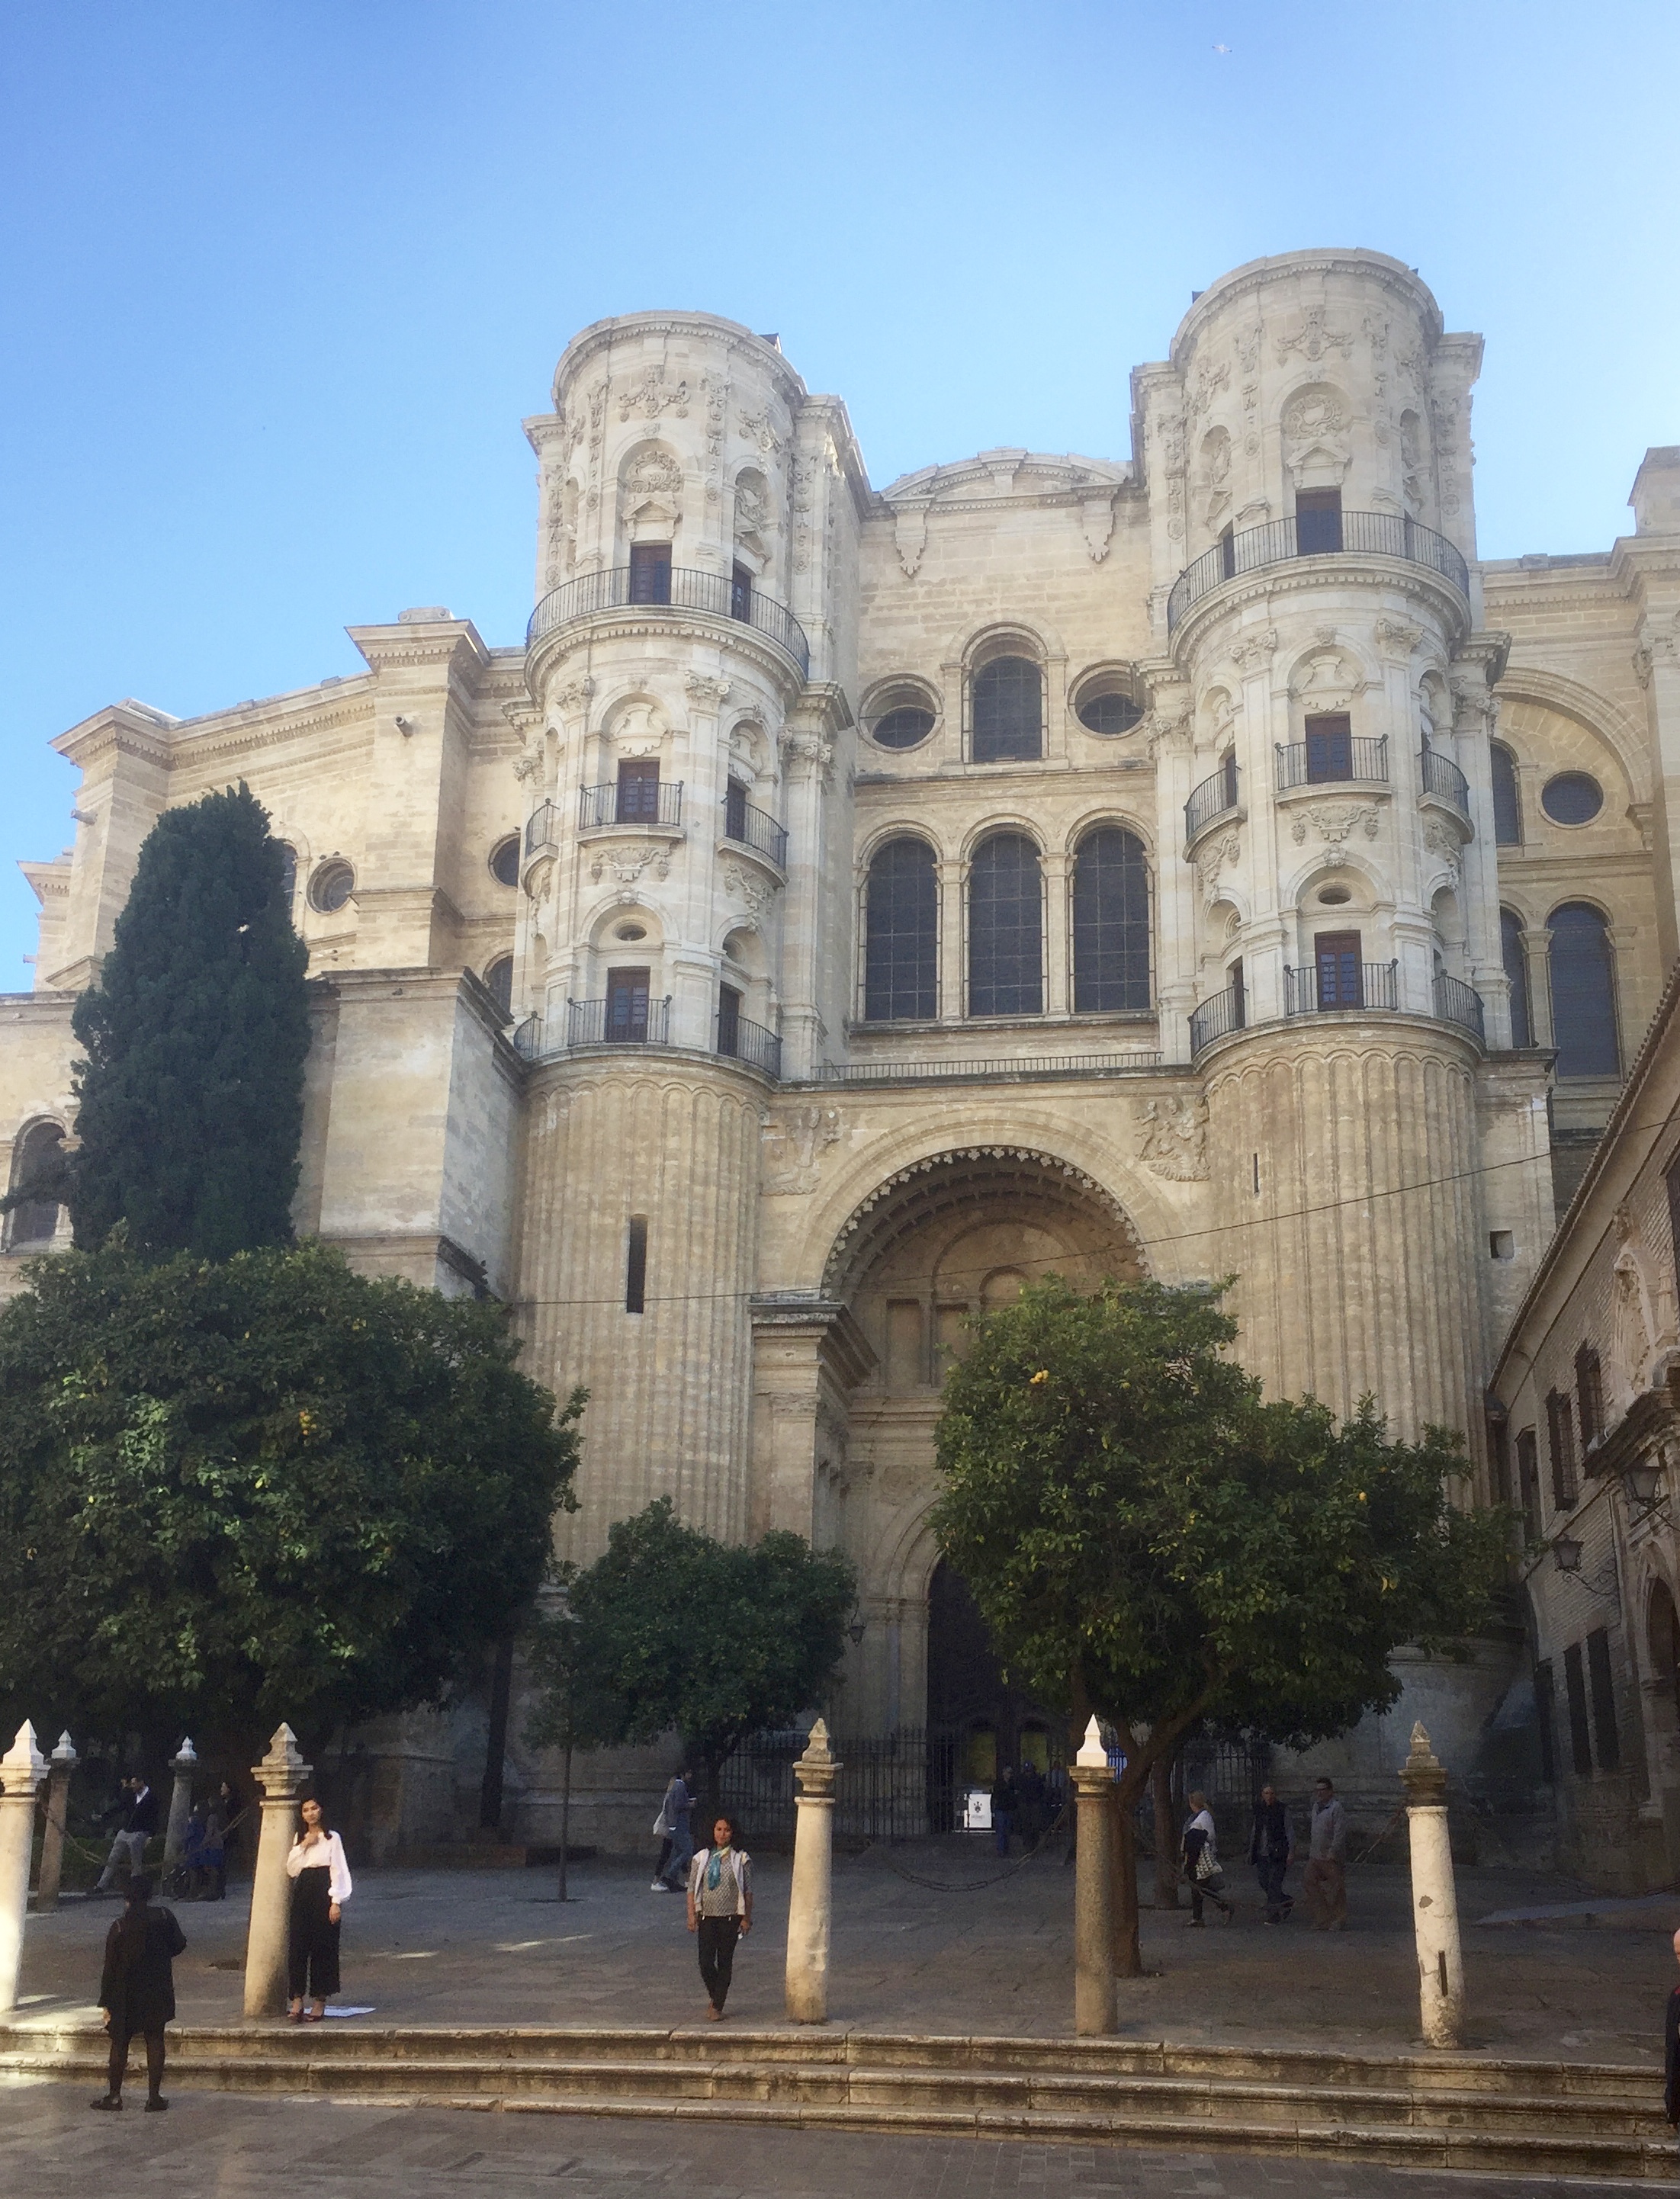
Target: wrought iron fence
[753,828]
[621,1019]
[750,1042]
[683,589]
[1213,798]
[542,829]
[1328,763]
[1304,990]
[1456,1002]
[1443,778]
[631,802]
[1359,533]
[1226,1012]
[901,1786]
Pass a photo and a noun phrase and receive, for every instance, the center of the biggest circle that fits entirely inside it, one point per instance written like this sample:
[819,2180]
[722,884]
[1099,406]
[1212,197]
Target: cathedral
[845,904]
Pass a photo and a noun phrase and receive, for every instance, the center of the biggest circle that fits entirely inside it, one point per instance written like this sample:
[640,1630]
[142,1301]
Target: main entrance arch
[940,1242]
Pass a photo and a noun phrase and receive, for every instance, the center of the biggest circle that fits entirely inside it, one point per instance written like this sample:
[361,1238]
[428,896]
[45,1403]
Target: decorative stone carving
[1329,678]
[1096,520]
[1172,1138]
[1211,376]
[793,1145]
[757,428]
[752,511]
[747,886]
[1443,840]
[1337,822]
[706,691]
[1255,651]
[1167,732]
[1314,414]
[650,396]
[573,694]
[527,767]
[1218,855]
[654,473]
[910,536]
[1312,338]
[626,864]
[805,754]
[1395,635]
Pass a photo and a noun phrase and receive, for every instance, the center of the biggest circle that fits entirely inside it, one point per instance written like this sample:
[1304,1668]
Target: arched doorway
[971,1704]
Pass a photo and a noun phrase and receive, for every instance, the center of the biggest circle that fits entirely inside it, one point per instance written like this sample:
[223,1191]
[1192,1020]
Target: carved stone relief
[1337,822]
[910,536]
[794,1144]
[1172,1138]
[747,886]
[650,396]
[1313,336]
[626,864]
[1218,856]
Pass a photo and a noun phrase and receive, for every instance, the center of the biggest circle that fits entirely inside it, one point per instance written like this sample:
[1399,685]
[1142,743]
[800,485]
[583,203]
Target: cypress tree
[190,1100]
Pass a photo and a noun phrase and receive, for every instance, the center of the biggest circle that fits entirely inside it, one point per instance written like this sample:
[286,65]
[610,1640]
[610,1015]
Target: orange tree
[1148,1538]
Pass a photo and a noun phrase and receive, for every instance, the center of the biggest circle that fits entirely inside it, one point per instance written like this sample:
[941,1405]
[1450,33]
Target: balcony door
[638,793]
[650,572]
[1318,521]
[740,593]
[1337,957]
[627,1006]
[729,1020]
[1329,747]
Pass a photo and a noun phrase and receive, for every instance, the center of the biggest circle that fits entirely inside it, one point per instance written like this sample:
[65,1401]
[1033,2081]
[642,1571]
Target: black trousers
[120,2035]
[718,1936]
[312,1952]
[1270,1870]
[1206,1889]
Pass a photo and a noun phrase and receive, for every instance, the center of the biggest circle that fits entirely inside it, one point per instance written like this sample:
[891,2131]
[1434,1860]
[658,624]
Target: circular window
[332,886]
[631,931]
[1113,712]
[504,861]
[1573,797]
[1334,897]
[906,728]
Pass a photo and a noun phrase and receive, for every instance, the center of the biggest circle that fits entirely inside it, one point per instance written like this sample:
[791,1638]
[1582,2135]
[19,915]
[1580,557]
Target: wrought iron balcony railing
[750,1042]
[542,829]
[1332,759]
[1344,988]
[621,1019]
[1214,798]
[753,828]
[1456,1002]
[1443,778]
[631,802]
[1347,533]
[1226,1012]
[714,594]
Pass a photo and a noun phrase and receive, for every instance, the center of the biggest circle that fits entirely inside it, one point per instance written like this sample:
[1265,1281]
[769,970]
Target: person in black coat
[1269,1849]
[138,1808]
[137,1990]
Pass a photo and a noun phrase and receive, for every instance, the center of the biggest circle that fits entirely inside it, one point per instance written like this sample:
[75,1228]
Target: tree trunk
[565,1809]
[495,1746]
[1127,1950]
[1166,1842]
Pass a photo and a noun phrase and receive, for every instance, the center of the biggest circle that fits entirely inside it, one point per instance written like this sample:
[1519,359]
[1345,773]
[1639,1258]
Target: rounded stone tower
[678,750]
[1322,714]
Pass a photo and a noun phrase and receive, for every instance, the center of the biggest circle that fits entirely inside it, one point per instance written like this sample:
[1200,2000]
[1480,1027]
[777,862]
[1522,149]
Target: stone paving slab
[250,2149]
[453,1948]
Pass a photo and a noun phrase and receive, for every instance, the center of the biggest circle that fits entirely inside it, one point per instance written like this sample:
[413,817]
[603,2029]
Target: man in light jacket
[676,1820]
[1325,1881]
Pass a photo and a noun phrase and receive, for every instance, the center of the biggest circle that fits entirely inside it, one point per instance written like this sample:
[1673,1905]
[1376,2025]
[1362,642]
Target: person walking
[320,1887]
[1030,1805]
[1006,1802]
[136,1989]
[138,1808]
[1200,1850]
[1270,1850]
[1324,1882]
[719,1910]
[227,1808]
[675,1822]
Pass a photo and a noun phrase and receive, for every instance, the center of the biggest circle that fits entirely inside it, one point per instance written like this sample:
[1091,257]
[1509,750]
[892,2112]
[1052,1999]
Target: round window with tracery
[1573,797]
[332,886]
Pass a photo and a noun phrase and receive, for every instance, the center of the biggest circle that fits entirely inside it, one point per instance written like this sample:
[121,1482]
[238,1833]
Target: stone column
[808,1900]
[1434,1901]
[1094,2010]
[22,1770]
[282,1774]
[182,1763]
[63,1762]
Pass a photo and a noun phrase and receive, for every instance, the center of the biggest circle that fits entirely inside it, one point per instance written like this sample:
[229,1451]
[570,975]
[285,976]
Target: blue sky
[279,282]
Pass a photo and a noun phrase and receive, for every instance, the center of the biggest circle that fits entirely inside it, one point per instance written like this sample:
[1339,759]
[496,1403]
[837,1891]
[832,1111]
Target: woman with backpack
[137,1990]
[1200,1855]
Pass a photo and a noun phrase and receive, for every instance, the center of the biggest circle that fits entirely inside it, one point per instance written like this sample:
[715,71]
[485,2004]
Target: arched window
[1006,710]
[1006,928]
[1507,807]
[901,930]
[288,875]
[1583,992]
[35,1223]
[499,979]
[1515,959]
[1111,923]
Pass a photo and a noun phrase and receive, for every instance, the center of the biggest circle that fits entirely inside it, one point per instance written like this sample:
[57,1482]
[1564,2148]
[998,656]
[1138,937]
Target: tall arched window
[901,933]
[1005,929]
[34,1158]
[1515,958]
[1507,807]
[1111,923]
[1006,711]
[1583,992]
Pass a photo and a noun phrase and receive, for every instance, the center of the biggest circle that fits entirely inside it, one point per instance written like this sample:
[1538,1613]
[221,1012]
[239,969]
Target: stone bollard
[22,1770]
[182,1763]
[1094,2008]
[282,1774]
[810,1901]
[61,1763]
[1434,1900]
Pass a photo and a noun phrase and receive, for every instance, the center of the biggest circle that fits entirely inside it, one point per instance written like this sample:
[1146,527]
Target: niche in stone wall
[650,494]
[1316,421]
[1214,479]
[754,520]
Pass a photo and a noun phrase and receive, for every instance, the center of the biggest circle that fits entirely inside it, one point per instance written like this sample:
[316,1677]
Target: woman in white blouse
[320,1887]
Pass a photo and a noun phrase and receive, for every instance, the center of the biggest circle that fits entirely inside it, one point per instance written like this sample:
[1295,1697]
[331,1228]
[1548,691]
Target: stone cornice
[821,708]
[128,728]
[455,644]
[640,622]
[49,1005]
[844,1349]
[1283,267]
[589,344]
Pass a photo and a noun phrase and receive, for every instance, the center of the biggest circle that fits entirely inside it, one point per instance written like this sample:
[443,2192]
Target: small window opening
[729,1020]
[635,1265]
[1502,1245]
[638,793]
[735,810]
[1318,522]
[740,593]
[650,572]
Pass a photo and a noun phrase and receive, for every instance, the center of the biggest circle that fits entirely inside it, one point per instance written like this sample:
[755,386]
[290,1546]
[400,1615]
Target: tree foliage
[270,1488]
[669,1628]
[1148,1538]
[189,1103]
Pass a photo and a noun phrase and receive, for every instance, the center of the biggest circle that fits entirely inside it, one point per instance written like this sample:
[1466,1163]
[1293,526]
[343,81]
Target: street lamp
[1643,1479]
[1567,1554]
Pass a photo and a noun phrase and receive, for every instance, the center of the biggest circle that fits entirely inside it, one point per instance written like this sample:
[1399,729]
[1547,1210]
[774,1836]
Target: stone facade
[848,903]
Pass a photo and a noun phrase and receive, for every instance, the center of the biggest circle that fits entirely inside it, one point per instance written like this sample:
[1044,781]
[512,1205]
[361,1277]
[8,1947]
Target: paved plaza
[249,2148]
[464,1947]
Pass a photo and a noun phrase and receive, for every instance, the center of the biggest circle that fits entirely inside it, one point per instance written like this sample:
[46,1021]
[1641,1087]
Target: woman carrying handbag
[1200,1856]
